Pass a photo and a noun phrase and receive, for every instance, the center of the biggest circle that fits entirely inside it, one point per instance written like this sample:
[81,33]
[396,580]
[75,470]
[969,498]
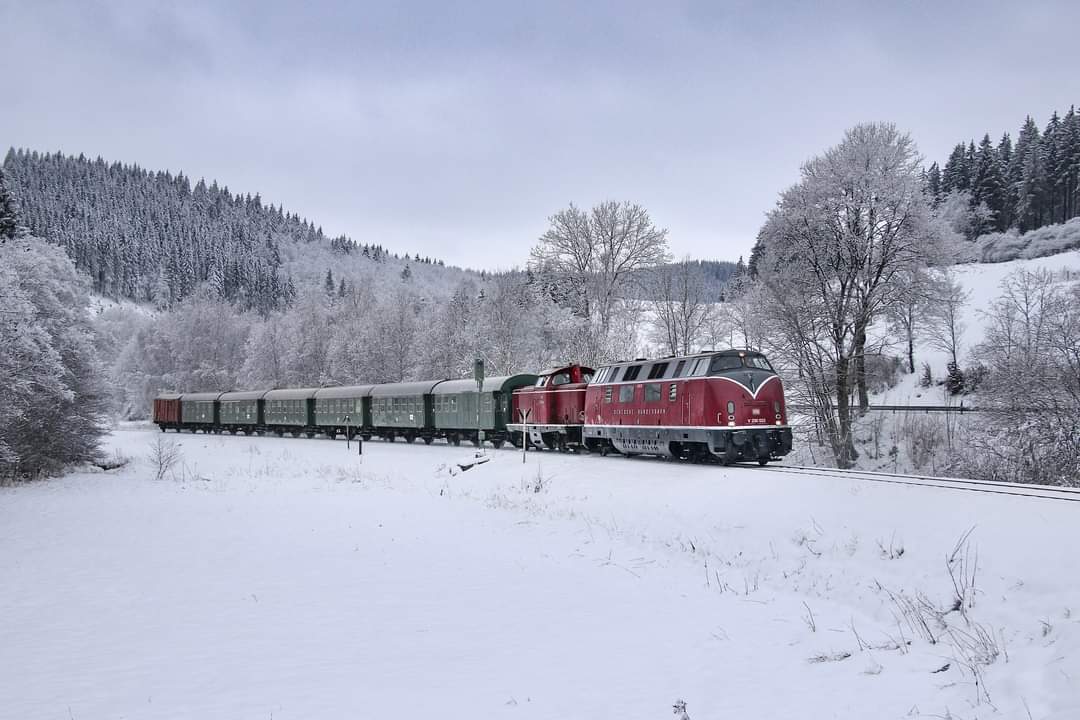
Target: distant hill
[154,237]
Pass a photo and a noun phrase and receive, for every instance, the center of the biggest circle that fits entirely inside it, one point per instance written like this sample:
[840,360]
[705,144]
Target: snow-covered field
[281,578]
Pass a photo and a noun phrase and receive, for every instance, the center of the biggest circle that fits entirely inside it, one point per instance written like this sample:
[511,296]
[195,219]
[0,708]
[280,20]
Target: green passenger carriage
[403,409]
[200,410]
[291,411]
[241,411]
[454,405]
[343,410]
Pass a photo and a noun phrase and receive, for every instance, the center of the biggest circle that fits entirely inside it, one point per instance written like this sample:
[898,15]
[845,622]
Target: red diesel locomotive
[726,405]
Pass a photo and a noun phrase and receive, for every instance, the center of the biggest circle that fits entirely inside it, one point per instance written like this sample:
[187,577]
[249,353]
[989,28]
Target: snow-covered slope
[285,579]
[983,282]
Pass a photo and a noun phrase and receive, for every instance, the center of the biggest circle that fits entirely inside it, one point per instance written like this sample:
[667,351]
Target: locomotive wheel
[428,439]
[410,438]
[497,443]
[455,439]
[763,461]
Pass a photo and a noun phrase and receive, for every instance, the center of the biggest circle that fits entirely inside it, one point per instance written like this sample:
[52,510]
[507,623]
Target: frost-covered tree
[1032,354]
[680,302]
[592,258]
[54,398]
[837,248]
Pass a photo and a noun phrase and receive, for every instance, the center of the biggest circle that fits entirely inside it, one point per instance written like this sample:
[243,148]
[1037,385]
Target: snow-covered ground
[983,283]
[282,578]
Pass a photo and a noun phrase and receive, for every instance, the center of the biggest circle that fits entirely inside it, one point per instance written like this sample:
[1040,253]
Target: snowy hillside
[983,283]
[286,579]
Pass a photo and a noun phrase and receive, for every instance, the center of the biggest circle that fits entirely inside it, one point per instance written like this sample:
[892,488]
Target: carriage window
[626,393]
[673,390]
[723,363]
[561,379]
[607,394]
[631,373]
[652,392]
[658,370]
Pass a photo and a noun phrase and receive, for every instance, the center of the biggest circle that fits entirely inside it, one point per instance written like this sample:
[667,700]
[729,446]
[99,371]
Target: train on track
[726,406]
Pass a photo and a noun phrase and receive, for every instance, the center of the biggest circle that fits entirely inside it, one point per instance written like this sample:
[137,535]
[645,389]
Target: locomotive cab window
[724,363]
[560,379]
[759,362]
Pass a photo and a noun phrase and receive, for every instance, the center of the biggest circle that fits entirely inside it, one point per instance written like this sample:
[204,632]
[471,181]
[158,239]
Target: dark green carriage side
[343,406]
[199,408]
[293,407]
[454,402]
[403,405]
[241,408]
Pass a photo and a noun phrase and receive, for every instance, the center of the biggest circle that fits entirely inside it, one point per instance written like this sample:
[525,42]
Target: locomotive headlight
[730,407]
[776,407]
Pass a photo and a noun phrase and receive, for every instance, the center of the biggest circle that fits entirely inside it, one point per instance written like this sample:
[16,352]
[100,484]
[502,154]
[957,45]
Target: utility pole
[347,434]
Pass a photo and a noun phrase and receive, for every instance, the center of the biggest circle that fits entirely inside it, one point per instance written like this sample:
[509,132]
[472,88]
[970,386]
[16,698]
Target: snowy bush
[1048,240]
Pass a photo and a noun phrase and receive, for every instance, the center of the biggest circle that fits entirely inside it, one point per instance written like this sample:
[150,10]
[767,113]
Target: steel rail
[1045,492]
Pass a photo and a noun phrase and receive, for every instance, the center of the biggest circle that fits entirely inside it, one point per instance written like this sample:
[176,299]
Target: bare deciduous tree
[678,296]
[594,256]
[836,248]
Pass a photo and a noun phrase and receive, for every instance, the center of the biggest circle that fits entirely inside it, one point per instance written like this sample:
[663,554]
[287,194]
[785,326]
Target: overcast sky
[456,131]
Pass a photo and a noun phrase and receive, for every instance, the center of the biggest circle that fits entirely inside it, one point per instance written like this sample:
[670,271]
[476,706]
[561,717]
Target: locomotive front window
[561,379]
[723,363]
[540,382]
[758,361]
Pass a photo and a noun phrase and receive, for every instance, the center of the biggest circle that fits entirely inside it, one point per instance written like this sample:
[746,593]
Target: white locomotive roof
[168,396]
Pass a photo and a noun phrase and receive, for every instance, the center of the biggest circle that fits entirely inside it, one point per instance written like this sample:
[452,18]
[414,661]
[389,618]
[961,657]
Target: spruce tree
[933,184]
[955,176]
[10,227]
[988,186]
[328,285]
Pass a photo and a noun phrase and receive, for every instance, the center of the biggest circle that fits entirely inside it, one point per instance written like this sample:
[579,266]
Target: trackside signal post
[478,375]
[524,432]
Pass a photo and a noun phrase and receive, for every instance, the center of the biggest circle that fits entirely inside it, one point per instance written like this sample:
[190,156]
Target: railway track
[1045,492]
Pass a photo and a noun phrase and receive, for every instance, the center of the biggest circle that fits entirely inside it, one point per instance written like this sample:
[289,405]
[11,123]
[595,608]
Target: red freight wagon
[167,410]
